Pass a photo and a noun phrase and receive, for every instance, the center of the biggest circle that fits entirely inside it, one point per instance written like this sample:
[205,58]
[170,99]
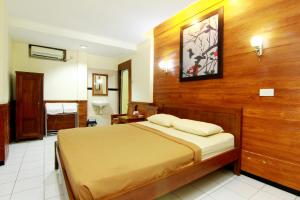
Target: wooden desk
[130,119]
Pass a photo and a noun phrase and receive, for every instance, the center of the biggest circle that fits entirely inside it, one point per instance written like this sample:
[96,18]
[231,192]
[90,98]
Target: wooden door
[30,109]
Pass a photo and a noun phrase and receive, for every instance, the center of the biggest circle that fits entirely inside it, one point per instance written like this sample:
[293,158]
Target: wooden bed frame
[229,118]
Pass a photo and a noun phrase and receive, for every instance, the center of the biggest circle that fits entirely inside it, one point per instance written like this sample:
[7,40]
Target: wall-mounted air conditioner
[47,53]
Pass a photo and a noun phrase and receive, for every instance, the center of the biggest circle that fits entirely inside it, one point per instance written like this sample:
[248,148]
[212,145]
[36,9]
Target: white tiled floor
[29,175]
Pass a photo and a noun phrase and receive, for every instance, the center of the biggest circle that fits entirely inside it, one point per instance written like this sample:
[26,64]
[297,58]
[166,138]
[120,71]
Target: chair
[146,109]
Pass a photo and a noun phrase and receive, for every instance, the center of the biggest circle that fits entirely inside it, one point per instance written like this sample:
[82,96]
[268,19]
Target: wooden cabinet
[29,105]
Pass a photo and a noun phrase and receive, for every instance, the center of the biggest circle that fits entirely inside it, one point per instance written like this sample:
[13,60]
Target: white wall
[142,72]
[4,55]
[103,65]
[102,62]
[62,80]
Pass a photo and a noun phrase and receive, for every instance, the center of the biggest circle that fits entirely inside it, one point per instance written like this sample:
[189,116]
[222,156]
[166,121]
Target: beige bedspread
[106,161]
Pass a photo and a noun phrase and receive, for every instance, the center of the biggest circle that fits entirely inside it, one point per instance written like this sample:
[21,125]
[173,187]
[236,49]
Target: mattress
[102,162]
[210,145]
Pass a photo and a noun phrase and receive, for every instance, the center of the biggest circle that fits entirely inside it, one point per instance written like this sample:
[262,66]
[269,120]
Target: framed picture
[201,48]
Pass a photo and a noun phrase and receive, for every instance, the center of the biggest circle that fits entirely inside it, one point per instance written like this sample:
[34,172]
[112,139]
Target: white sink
[100,105]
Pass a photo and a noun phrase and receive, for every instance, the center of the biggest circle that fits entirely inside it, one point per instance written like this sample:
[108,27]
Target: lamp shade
[257,41]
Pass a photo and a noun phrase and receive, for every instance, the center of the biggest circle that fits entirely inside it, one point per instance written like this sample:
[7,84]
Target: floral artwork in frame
[201,48]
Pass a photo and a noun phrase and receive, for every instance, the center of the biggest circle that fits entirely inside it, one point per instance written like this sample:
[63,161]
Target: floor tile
[17,146]
[49,162]
[33,194]
[31,158]
[225,194]
[60,197]
[189,193]
[169,196]
[241,188]
[13,156]
[34,153]
[5,197]
[15,162]
[49,153]
[6,169]
[224,176]
[206,184]
[53,190]
[9,177]
[254,183]
[51,178]
[220,176]
[30,173]
[278,193]
[29,183]
[32,165]
[36,144]
[206,198]
[6,188]
[261,195]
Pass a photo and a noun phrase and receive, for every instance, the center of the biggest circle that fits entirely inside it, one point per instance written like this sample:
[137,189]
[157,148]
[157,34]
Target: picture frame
[201,48]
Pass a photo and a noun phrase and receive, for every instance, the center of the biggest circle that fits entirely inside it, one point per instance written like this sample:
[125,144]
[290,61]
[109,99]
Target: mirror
[100,84]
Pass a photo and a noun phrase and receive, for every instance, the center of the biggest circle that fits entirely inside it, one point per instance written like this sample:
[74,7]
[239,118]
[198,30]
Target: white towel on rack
[54,108]
[70,107]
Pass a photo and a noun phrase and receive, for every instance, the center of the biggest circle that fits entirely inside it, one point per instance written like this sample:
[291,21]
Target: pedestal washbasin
[100,104]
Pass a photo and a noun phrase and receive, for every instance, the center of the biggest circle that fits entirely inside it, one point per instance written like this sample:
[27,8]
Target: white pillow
[162,119]
[197,127]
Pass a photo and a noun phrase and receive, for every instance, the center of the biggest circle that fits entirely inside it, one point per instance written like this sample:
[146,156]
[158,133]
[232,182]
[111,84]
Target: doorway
[124,77]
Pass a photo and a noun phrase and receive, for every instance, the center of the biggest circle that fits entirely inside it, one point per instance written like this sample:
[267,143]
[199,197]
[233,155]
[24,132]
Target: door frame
[123,66]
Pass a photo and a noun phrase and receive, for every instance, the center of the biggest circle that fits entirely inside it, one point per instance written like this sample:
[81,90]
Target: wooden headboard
[146,109]
[230,119]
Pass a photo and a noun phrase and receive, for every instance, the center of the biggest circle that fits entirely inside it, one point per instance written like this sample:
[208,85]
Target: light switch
[267,92]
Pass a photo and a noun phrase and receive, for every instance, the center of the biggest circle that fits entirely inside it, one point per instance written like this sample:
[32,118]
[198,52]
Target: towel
[70,107]
[54,108]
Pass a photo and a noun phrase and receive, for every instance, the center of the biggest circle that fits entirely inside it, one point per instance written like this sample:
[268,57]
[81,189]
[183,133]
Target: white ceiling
[107,27]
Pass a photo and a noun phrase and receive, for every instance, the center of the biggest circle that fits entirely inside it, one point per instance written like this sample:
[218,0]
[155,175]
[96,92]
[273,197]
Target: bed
[122,162]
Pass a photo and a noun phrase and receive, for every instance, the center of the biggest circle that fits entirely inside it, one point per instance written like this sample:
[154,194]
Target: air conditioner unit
[47,53]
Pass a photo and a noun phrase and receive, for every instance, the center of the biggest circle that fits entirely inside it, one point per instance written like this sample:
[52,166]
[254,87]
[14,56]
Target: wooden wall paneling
[82,108]
[4,131]
[271,125]
[12,119]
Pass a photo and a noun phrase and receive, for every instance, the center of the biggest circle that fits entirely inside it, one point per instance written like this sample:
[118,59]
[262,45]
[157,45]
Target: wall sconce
[165,65]
[257,44]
